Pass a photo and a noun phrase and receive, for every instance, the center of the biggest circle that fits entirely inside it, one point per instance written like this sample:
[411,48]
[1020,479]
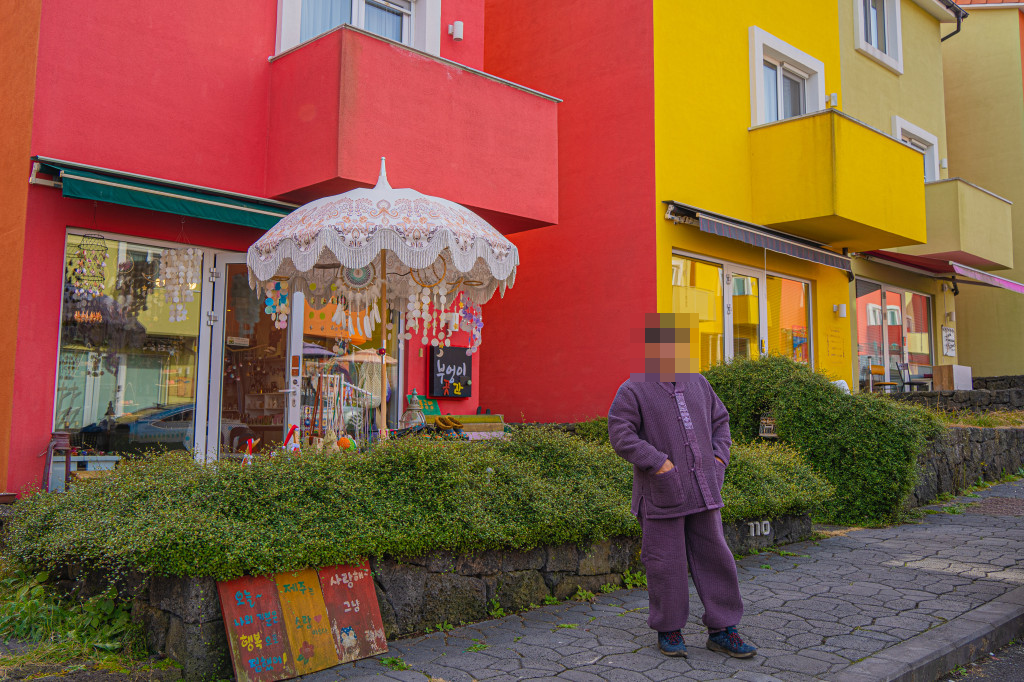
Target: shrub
[769,480]
[865,445]
[595,429]
[166,514]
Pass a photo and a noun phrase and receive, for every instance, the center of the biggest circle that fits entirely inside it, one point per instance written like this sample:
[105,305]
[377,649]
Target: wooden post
[382,425]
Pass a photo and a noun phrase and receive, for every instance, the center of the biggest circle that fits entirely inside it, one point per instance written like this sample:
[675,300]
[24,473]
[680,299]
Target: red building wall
[556,346]
[181,91]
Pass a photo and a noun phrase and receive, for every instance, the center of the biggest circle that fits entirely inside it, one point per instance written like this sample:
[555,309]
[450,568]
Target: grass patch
[991,419]
[63,630]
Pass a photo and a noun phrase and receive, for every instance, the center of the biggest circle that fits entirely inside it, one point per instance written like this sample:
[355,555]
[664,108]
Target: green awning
[168,197]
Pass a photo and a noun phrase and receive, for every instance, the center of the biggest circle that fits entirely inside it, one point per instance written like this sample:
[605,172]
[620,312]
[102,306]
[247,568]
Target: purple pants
[696,541]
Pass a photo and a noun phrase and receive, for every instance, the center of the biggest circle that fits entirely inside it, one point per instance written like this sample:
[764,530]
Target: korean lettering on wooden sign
[300,622]
[451,372]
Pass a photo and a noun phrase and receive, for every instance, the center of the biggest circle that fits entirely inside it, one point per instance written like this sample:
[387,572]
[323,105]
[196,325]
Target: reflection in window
[789,318]
[870,331]
[697,288]
[918,328]
[320,16]
[386,18]
[746,317]
[128,342]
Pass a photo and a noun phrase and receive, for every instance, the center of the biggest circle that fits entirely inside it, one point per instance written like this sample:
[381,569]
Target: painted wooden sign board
[451,372]
[299,622]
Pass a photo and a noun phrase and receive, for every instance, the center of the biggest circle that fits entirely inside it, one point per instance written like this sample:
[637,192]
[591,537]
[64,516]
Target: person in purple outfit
[668,423]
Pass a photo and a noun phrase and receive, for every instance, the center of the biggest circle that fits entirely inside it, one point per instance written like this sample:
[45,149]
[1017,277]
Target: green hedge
[166,514]
[865,445]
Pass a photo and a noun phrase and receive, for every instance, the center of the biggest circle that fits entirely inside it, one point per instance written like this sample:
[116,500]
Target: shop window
[789,318]
[784,81]
[894,331]
[128,344]
[697,287]
[878,33]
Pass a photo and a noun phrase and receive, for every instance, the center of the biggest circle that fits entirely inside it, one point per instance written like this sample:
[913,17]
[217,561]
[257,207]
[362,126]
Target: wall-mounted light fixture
[455,30]
[839,309]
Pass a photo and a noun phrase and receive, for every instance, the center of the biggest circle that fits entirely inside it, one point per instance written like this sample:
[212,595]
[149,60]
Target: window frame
[902,128]
[764,47]
[730,268]
[421,25]
[885,360]
[892,57]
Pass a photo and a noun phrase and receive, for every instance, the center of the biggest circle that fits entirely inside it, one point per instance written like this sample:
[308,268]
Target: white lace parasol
[333,247]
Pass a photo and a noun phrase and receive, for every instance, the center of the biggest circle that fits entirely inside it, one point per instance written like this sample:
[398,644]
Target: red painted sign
[260,650]
[354,613]
[299,622]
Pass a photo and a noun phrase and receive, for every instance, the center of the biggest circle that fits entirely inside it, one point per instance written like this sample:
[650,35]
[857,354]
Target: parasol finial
[382,181]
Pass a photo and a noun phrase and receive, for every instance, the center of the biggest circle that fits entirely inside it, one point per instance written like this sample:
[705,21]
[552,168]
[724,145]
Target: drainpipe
[960,14]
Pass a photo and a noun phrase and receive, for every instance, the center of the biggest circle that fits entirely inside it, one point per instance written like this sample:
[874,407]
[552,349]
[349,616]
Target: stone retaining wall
[997,383]
[962,456]
[183,620]
[982,400]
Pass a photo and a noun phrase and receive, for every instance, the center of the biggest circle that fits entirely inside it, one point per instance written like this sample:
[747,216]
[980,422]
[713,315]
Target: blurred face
[665,347]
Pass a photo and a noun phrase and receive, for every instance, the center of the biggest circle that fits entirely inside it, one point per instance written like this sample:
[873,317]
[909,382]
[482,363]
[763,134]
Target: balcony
[831,179]
[966,224]
[342,101]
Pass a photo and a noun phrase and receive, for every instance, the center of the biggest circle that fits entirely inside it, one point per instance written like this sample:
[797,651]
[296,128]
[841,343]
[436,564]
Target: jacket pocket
[667,489]
[719,474]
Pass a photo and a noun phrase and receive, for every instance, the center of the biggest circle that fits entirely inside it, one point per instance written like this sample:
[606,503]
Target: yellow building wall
[872,93]
[702,142]
[985,120]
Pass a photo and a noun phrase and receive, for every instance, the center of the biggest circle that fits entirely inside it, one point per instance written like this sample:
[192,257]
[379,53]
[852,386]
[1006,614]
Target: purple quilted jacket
[646,425]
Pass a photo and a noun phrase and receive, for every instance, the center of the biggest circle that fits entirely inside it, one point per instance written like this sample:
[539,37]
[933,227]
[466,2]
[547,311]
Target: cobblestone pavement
[812,610]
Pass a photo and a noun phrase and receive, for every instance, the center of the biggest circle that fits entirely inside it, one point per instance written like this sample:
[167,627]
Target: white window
[416,23]
[878,35]
[784,81]
[920,140]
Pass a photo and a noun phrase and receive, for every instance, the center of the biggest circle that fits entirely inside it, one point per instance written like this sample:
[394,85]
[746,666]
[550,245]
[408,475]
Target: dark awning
[756,235]
[88,182]
[934,266]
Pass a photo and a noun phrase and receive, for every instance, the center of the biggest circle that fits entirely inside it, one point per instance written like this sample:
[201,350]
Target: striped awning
[986,278]
[755,235]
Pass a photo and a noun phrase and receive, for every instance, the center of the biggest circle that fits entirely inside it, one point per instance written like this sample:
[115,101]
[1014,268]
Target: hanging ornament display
[87,268]
[471,319]
[134,283]
[357,312]
[277,304]
[179,270]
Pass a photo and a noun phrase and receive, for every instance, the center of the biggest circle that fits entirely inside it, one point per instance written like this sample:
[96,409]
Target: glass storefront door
[894,331]
[250,361]
[744,306]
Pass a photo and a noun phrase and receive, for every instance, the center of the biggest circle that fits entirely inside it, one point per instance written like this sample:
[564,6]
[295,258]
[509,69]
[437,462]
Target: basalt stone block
[562,558]
[523,560]
[403,584]
[387,614]
[517,590]
[155,623]
[596,560]
[193,600]
[625,555]
[482,563]
[452,598]
[570,584]
[200,648]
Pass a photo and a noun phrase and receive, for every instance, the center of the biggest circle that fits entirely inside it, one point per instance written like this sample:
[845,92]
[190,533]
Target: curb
[934,653]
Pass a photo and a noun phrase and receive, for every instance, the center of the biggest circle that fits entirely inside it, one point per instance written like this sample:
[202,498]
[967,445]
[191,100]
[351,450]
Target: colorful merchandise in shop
[87,267]
[382,250]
